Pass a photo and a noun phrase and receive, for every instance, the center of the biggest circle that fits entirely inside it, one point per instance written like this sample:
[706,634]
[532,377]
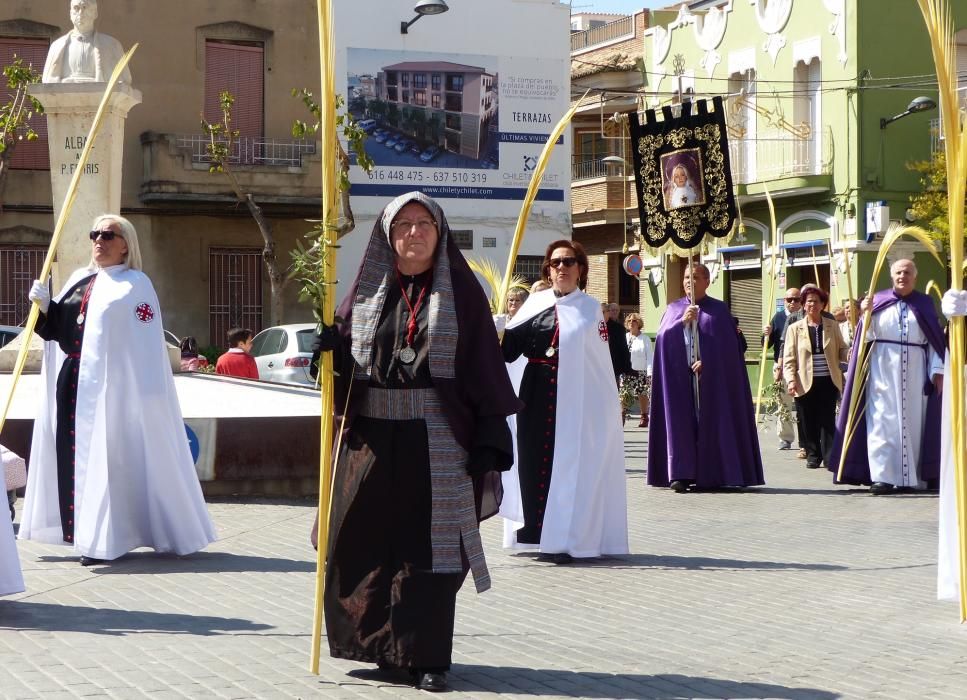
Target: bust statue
[83,55]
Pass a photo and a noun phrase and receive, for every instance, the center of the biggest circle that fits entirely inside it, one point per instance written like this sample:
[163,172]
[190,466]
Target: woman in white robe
[565,495]
[110,467]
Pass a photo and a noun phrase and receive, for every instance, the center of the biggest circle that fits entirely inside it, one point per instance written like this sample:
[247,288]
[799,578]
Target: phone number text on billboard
[442,176]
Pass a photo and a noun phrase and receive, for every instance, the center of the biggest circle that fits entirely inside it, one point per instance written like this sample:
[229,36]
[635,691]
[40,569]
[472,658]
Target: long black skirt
[383,603]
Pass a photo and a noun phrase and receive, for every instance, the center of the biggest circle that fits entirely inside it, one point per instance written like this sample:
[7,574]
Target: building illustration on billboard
[456,125]
[425,112]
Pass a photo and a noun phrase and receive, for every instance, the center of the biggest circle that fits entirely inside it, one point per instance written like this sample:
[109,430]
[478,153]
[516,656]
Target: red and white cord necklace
[82,314]
[407,354]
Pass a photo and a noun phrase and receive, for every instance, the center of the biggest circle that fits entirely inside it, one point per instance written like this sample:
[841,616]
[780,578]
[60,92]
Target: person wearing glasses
[565,495]
[110,468]
[788,419]
[894,441]
[426,396]
[702,431]
[812,353]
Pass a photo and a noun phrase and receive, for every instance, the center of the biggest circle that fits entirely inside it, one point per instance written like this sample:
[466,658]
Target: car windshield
[305,338]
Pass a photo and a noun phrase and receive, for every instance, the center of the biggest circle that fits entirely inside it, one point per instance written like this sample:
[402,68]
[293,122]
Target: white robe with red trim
[135,482]
[586,513]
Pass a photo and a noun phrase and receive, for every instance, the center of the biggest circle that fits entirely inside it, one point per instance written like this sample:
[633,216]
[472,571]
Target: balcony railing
[620,28]
[587,169]
[251,151]
[757,159]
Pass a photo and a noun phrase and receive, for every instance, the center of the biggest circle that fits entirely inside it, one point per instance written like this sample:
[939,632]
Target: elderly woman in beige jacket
[813,351]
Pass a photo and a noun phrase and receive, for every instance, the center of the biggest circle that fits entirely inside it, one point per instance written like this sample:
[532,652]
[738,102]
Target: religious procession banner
[682,174]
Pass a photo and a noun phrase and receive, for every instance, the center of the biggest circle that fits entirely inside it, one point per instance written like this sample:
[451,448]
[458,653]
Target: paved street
[796,590]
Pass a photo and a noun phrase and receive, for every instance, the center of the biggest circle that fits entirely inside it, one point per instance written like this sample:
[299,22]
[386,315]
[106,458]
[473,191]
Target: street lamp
[919,104]
[424,7]
[614,160]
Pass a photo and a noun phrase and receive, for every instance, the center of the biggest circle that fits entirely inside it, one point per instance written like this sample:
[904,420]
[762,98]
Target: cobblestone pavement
[796,590]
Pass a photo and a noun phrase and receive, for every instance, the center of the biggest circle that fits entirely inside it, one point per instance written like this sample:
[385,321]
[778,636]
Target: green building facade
[812,88]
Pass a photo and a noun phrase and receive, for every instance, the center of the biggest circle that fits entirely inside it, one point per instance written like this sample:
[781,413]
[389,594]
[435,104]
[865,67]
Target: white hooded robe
[586,513]
[135,481]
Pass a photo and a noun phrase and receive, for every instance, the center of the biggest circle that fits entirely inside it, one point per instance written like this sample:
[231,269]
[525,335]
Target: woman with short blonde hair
[642,353]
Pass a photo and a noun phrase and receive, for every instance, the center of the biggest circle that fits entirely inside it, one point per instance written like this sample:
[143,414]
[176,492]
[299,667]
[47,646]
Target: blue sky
[622,6]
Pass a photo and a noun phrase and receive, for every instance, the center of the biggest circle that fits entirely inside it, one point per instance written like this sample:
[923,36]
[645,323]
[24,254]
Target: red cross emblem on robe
[144,312]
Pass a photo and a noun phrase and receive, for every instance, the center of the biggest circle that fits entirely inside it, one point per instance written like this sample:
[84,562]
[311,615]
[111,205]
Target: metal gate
[235,291]
[20,265]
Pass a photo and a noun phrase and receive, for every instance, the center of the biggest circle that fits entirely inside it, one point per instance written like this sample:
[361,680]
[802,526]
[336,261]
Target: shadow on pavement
[24,615]
[810,492]
[578,684]
[656,561]
[198,563]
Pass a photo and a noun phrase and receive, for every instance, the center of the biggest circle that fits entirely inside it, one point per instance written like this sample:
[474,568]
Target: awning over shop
[741,256]
[819,243]
[806,252]
[732,250]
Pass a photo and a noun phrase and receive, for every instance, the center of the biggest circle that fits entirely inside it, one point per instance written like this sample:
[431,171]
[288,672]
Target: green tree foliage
[17,114]
[309,261]
[931,207]
[306,261]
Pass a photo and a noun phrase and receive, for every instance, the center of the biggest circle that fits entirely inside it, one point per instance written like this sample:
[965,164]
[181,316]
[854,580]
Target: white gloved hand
[954,303]
[38,292]
[500,322]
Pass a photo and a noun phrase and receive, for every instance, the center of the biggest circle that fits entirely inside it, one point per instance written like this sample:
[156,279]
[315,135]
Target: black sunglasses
[105,235]
[792,299]
[566,262]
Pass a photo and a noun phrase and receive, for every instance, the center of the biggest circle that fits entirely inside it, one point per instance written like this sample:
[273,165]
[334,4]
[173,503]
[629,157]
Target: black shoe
[880,488]
[679,486]
[813,465]
[90,561]
[433,682]
[562,558]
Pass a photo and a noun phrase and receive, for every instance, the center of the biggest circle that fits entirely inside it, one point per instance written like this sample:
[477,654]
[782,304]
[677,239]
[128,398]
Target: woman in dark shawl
[425,393]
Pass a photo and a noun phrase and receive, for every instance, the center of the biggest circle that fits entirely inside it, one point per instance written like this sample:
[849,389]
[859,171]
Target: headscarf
[379,272]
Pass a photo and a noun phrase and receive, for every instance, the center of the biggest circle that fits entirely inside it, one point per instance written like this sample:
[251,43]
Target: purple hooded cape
[856,469]
[466,363]
[721,447]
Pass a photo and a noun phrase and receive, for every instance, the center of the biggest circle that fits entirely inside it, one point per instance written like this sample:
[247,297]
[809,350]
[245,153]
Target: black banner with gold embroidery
[682,174]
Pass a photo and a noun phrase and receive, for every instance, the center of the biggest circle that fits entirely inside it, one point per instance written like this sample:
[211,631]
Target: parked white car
[8,333]
[283,353]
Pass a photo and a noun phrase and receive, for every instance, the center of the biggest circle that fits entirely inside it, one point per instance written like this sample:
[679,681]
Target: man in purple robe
[896,441]
[702,422]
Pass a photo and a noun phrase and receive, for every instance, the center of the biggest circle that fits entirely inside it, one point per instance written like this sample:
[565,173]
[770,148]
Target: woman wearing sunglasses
[110,468]
[565,495]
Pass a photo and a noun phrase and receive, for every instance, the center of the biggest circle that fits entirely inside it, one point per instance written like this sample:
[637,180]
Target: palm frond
[487,269]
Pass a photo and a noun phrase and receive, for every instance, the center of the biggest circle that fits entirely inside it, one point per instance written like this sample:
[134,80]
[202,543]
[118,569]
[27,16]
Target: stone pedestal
[70,109]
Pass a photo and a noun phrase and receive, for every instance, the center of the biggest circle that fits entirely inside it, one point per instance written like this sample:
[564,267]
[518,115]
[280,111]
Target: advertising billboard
[455,125]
